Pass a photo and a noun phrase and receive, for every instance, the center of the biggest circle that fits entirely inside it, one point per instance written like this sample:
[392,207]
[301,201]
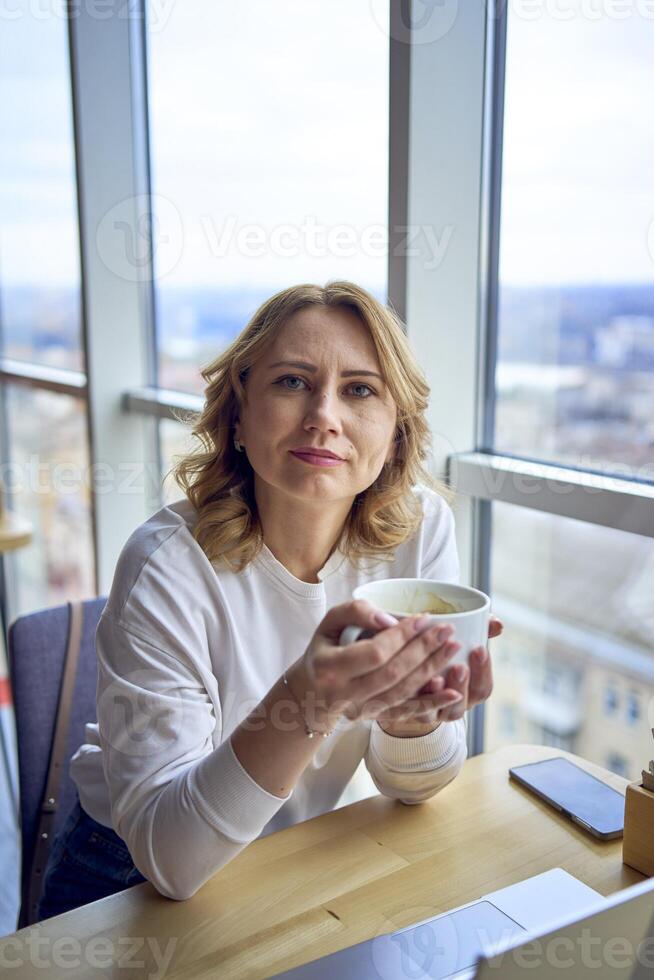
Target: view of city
[575,376]
[575,667]
[48,481]
[574,380]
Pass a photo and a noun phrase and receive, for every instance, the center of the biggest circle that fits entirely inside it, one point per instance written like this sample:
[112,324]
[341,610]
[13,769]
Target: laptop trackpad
[443,946]
[431,950]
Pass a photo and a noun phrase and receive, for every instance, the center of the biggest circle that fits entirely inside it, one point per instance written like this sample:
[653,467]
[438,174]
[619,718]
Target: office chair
[38,645]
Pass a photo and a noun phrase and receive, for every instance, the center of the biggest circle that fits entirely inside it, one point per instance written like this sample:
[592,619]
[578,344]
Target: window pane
[575,373]
[48,482]
[269,134]
[574,668]
[39,250]
[176,440]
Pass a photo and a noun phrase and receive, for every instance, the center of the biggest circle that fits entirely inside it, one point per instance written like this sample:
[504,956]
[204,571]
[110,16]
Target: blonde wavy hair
[219,481]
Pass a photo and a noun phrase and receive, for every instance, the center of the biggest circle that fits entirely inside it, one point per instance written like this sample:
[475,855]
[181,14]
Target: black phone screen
[576,793]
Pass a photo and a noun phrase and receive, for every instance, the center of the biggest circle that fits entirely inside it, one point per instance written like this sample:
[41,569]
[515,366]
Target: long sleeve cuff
[414,769]
[229,798]
[421,753]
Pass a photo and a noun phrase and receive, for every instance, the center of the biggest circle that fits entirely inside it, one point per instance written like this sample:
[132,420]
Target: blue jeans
[87,861]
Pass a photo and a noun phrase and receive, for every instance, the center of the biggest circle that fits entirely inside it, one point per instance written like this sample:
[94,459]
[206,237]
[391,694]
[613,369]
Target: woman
[226,707]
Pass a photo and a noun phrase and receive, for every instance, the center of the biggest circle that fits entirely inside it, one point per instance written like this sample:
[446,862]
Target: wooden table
[357,872]
[15,531]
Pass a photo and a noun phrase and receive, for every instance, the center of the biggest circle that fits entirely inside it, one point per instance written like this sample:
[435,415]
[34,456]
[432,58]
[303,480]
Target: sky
[276,114]
[578,159]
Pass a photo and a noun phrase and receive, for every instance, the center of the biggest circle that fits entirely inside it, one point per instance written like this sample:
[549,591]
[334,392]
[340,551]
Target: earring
[237,446]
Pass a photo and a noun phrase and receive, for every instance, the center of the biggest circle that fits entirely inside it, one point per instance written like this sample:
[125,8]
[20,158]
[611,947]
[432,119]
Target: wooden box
[638,841]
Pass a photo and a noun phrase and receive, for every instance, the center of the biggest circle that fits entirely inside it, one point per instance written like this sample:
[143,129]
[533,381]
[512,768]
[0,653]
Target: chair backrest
[37,649]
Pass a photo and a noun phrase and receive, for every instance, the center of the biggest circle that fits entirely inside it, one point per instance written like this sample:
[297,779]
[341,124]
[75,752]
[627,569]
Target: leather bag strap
[50,802]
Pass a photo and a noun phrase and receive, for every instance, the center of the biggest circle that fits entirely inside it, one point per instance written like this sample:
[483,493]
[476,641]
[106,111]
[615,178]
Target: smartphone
[592,804]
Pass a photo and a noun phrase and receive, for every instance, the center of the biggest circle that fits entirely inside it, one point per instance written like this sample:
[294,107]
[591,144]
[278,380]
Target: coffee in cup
[467,610]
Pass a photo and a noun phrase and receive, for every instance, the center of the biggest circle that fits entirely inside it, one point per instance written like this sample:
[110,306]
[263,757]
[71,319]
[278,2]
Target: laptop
[482,939]
[616,940]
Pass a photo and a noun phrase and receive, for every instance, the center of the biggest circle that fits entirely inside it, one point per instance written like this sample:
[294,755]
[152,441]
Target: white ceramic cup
[402,597]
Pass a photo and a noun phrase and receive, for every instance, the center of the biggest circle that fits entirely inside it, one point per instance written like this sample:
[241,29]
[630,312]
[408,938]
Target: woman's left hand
[474,683]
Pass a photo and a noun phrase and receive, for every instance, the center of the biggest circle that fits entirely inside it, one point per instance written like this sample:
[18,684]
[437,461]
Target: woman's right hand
[366,678]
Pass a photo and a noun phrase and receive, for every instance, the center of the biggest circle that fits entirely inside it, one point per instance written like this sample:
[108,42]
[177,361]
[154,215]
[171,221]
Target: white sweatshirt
[186,649]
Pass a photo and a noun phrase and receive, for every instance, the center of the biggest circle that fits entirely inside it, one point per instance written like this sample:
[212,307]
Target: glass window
[508,719]
[618,764]
[269,136]
[39,250]
[553,738]
[552,680]
[575,599]
[575,370]
[48,482]
[176,440]
[611,699]
[633,708]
